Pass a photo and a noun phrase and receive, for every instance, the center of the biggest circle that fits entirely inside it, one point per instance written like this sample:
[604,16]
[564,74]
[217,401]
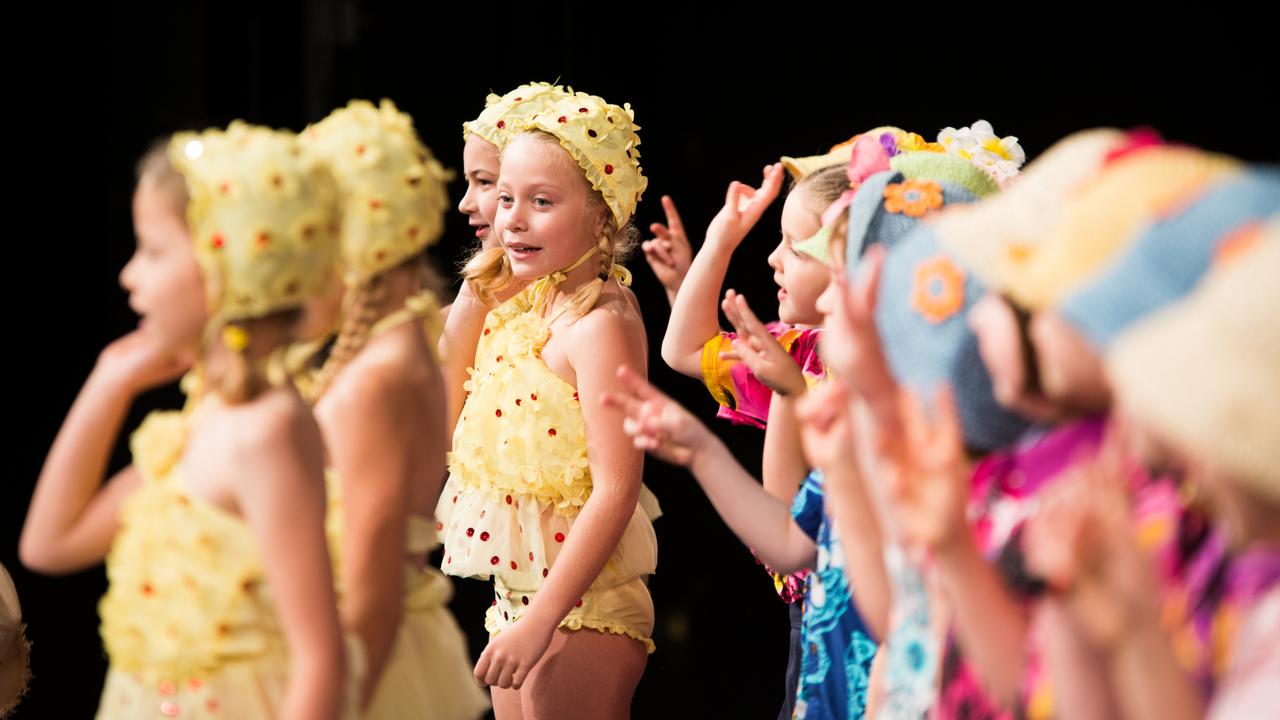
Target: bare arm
[367,426]
[279,488]
[694,319]
[72,518]
[660,425]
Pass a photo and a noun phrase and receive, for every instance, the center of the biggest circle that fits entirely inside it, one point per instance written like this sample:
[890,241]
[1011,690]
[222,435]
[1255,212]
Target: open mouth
[522,251]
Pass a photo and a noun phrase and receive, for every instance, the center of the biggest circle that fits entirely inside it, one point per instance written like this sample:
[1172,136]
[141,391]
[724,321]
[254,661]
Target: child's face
[163,278]
[994,324]
[802,278]
[545,218]
[1070,369]
[480,171]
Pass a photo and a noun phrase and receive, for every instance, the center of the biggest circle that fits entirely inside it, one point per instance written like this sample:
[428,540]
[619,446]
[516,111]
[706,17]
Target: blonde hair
[488,271]
[824,186]
[364,307]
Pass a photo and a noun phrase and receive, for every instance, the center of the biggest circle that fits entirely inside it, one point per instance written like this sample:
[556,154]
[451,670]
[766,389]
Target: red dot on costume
[169,708]
[375,203]
[562,119]
[578,604]
[439,526]
[212,705]
[499,358]
[582,110]
[493,560]
[519,99]
[224,188]
[508,499]
[471,531]
[505,616]
[413,231]
[167,688]
[455,499]
[518,401]
[551,432]
[524,600]
[147,589]
[359,149]
[502,124]
[262,238]
[575,395]
[534,397]
[449,560]
[484,537]
[530,557]
[486,331]
[495,602]
[544,572]
[195,683]
[608,169]
[498,412]
[513,564]
[591,133]
[559,537]
[217,241]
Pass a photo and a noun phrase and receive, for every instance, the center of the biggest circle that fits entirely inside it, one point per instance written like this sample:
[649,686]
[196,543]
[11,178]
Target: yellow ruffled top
[519,472]
[187,588]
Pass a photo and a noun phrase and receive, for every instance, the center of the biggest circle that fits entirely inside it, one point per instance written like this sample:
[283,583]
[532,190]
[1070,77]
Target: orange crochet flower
[1237,243]
[938,292]
[913,197]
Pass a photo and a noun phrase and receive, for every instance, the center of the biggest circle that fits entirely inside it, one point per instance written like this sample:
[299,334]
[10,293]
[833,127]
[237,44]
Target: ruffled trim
[517,539]
[578,623]
[612,628]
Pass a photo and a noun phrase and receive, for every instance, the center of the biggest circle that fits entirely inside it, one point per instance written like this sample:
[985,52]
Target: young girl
[484,138]
[542,495]
[380,402]
[221,599]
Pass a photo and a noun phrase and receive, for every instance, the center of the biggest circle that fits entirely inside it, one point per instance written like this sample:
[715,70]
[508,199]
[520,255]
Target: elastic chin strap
[559,276]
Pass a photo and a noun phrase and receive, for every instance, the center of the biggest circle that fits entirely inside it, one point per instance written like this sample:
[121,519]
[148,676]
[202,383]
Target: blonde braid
[366,308]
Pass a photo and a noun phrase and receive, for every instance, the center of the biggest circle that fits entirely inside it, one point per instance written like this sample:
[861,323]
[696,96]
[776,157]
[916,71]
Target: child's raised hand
[137,362]
[927,482]
[850,344]
[759,350]
[743,206]
[655,422]
[668,252]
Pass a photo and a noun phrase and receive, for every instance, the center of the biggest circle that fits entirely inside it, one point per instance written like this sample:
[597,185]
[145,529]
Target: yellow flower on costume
[938,289]
[235,338]
[913,197]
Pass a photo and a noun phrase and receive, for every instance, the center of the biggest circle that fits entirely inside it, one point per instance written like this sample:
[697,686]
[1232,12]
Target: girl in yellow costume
[544,484]
[484,138]
[221,601]
[380,402]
